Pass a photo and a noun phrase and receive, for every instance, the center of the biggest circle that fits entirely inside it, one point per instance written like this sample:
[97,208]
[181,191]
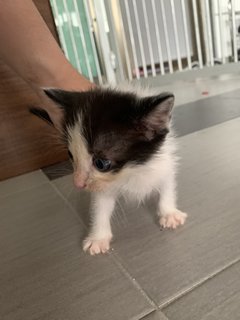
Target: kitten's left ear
[156,113]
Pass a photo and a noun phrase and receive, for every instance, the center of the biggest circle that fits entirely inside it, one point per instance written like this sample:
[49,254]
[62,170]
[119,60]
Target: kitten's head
[108,132]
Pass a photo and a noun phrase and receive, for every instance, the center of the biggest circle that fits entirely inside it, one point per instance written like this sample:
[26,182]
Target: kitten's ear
[42,114]
[156,113]
[53,113]
[51,116]
[62,98]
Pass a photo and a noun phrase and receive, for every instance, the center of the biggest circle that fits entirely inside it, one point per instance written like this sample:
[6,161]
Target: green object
[68,15]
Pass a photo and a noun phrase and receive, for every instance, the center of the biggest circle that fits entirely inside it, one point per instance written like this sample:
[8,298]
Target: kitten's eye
[70,155]
[102,165]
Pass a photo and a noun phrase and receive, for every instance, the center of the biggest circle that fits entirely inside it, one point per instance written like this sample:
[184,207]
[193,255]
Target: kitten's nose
[79,182]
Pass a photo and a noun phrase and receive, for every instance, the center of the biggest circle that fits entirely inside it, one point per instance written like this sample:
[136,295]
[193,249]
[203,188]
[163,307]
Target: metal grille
[74,25]
[139,39]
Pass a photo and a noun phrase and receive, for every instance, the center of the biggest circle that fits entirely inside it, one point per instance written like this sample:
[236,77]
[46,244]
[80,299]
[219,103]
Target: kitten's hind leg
[170,216]
[100,235]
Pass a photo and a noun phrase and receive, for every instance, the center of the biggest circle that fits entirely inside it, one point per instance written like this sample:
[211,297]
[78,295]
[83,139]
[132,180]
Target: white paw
[95,246]
[173,220]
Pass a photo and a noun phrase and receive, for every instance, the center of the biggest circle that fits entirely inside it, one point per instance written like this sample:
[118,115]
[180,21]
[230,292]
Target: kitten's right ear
[53,113]
[52,116]
[42,114]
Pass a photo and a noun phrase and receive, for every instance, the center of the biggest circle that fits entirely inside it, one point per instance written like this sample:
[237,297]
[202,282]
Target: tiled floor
[191,273]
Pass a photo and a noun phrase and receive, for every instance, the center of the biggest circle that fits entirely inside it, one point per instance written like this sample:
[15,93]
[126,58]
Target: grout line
[118,261]
[68,204]
[199,283]
[206,128]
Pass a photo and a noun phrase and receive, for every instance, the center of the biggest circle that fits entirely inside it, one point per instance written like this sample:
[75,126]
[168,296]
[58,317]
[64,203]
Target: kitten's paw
[94,246]
[173,220]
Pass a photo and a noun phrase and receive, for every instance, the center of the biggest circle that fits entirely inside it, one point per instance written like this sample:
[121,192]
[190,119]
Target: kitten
[119,143]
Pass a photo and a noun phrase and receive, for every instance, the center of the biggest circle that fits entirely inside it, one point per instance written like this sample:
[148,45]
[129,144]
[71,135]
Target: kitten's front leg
[100,235]
[170,216]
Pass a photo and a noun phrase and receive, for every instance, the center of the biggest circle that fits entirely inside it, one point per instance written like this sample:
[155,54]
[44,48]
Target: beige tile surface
[186,91]
[206,113]
[167,263]
[45,275]
[21,183]
[217,299]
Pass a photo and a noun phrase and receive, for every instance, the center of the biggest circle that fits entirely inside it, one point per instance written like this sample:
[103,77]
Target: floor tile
[166,263]
[45,275]
[217,299]
[205,113]
[190,90]
[235,94]
[78,199]
[21,183]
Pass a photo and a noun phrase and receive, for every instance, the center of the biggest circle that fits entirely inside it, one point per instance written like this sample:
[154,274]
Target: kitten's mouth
[94,188]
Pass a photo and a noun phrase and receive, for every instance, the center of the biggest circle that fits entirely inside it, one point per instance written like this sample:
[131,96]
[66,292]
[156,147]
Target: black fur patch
[42,114]
[118,126]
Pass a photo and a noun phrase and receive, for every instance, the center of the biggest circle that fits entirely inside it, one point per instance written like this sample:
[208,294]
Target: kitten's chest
[140,185]
[143,181]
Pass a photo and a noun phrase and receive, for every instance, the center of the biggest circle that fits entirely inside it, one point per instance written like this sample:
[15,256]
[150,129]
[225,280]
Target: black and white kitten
[120,144]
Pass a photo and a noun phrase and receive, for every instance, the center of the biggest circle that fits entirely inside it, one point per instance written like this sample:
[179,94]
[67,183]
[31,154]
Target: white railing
[140,39]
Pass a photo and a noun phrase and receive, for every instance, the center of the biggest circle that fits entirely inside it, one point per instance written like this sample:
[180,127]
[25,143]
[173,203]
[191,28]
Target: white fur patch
[78,147]
[139,181]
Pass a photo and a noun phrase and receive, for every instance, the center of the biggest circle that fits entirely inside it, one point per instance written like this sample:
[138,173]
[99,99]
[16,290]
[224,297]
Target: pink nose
[79,182]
